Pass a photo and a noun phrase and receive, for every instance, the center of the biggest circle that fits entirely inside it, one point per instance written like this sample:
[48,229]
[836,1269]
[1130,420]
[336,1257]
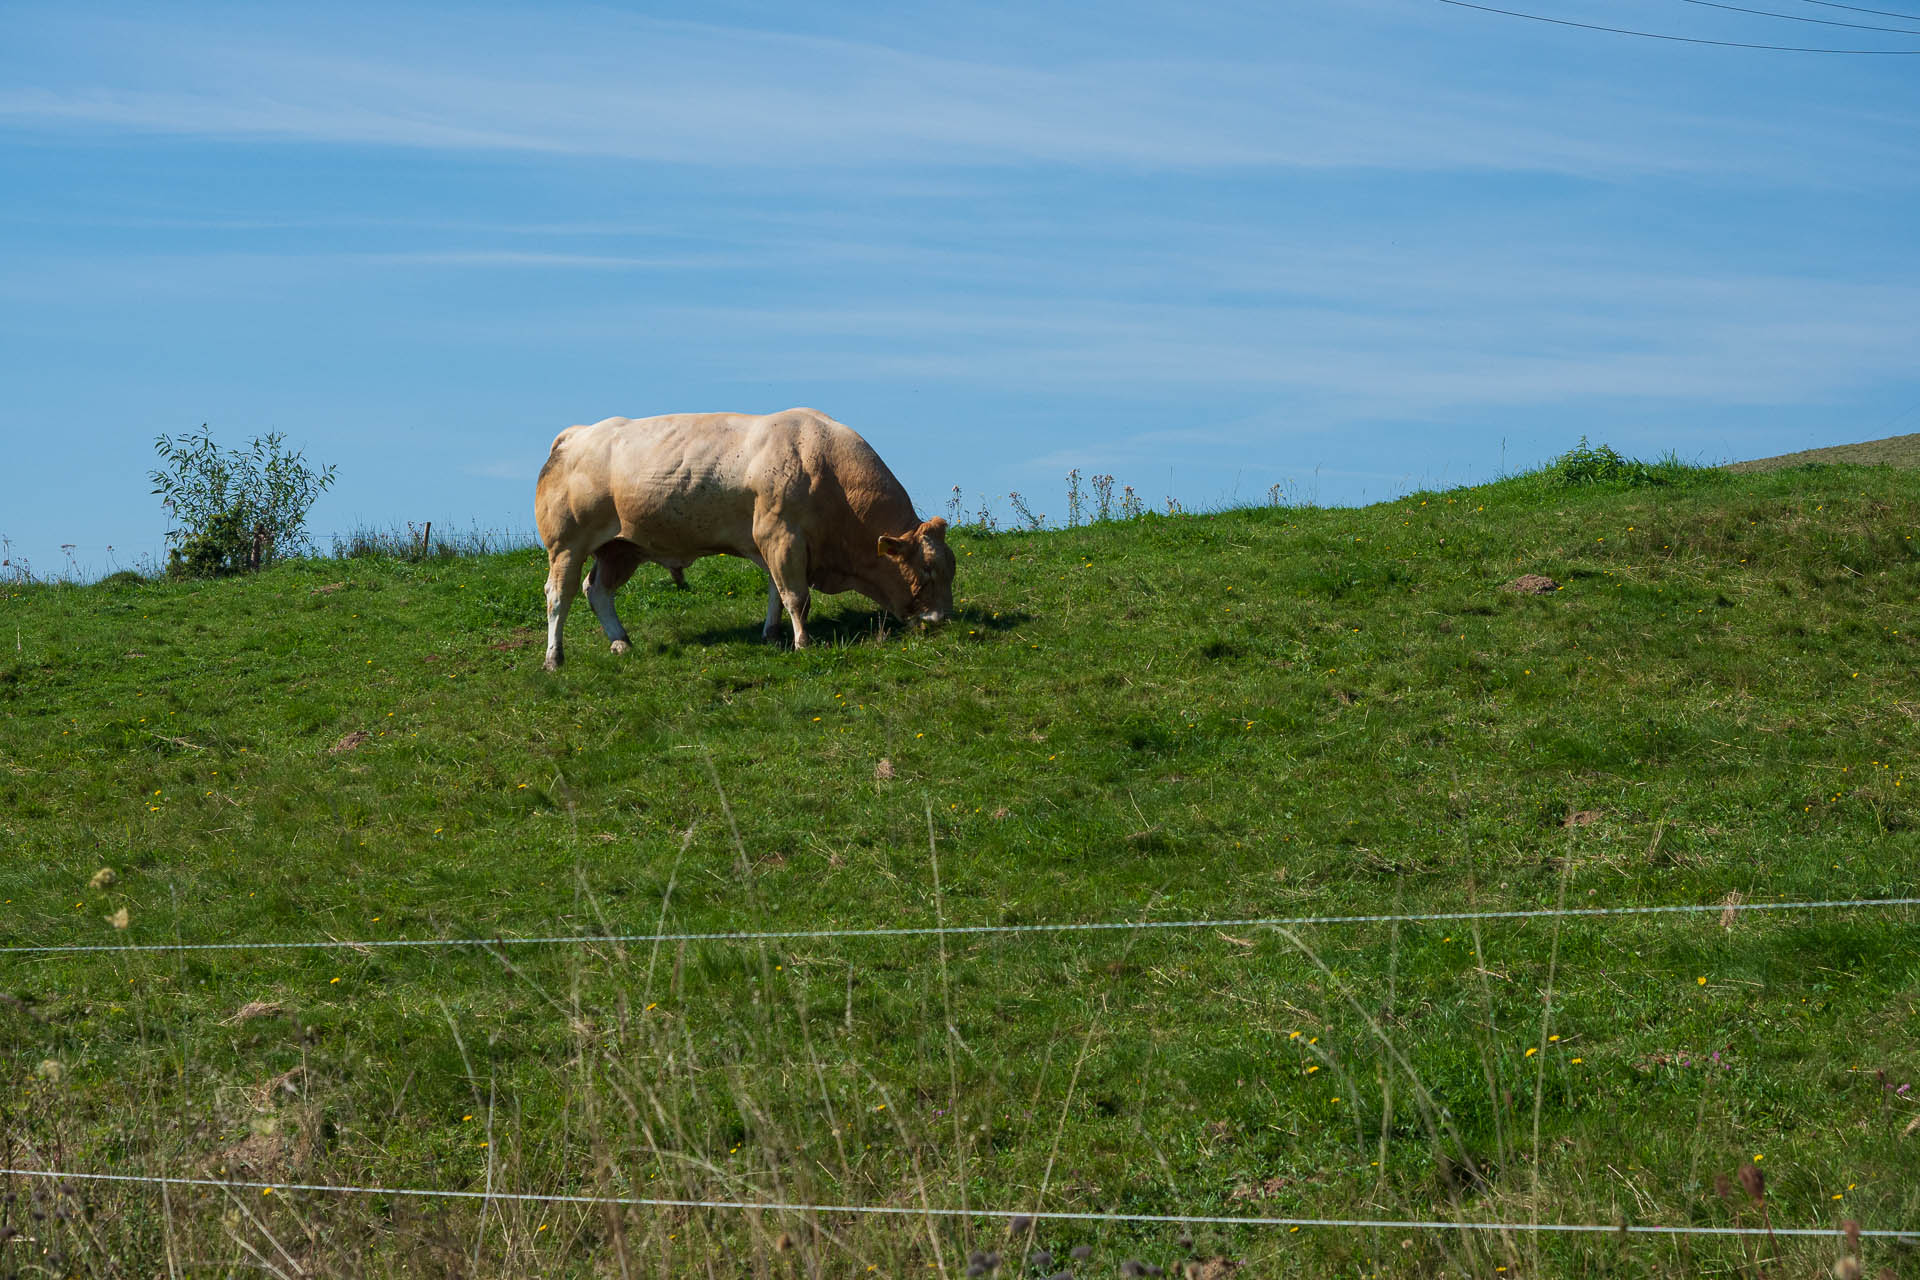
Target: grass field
[1250,713]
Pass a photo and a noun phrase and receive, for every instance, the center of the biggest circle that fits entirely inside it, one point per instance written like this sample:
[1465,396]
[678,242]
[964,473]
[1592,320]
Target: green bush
[233,510]
[224,546]
[1602,464]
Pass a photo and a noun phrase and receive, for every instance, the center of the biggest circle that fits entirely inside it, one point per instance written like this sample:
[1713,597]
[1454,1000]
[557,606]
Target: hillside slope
[1893,451]
[1251,714]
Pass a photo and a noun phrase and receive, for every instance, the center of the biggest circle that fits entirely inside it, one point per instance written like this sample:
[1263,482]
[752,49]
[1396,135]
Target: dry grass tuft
[253,1009]
[1732,900]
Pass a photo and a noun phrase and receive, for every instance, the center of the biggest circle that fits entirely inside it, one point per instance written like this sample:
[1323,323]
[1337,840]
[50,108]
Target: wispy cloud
[708,96]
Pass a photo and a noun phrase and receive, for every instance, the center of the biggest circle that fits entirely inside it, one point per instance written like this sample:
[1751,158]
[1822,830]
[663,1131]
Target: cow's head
[926,572]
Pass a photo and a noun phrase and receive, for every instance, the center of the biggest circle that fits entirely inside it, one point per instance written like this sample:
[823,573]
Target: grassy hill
[1893,451]
[1247,714]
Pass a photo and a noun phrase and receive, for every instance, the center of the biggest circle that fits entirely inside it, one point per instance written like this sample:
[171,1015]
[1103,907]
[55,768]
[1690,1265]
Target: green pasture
[1254,713]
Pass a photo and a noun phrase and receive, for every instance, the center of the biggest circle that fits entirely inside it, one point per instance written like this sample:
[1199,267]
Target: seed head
[1082,1252]
[103,878]
[1754,1181]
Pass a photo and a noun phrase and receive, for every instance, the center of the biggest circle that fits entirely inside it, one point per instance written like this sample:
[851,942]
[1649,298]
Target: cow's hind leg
[613,563]
[563,580]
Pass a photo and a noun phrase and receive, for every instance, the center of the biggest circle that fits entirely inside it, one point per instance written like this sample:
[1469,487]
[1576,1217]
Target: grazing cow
[797,493]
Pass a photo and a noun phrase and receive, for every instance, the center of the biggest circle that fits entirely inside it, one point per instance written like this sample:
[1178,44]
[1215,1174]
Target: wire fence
[1905,1235]
[1008,1215]
[928,931]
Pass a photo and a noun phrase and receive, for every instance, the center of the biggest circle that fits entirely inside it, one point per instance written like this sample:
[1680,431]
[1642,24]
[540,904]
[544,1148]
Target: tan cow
[797,493]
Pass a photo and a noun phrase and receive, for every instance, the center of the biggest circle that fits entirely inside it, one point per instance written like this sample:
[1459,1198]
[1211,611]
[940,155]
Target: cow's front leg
[787,575]
[563,580]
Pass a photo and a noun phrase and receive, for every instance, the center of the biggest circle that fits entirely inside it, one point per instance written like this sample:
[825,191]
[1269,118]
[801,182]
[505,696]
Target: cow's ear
[895,547]
[936,528]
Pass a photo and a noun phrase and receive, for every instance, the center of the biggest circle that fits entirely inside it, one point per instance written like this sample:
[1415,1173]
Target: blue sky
[1351,248]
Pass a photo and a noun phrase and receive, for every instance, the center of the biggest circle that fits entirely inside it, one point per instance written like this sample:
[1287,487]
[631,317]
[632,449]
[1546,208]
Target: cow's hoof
[621,646]
[552,663]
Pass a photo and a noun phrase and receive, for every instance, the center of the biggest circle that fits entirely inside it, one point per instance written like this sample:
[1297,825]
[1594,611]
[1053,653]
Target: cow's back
[681,486]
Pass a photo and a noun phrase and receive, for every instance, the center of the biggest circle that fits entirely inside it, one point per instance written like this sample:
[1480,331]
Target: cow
[797,493]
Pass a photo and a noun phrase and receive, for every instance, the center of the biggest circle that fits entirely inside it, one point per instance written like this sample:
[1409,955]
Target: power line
[1791,17]
[909,1211]
[1655,35]
[1880,13]
[928,931]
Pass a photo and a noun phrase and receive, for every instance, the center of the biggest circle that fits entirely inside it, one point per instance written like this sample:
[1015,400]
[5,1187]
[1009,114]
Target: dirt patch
[358,738]
[518,639]
[1532,584]
[1209,1268]
[883,772]
[1265,1189]
[1582,818]
[280,1141]
[329,589]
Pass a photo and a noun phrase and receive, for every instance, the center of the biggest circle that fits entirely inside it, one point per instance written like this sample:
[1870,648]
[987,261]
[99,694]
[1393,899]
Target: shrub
[1603,464]
[233,510]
